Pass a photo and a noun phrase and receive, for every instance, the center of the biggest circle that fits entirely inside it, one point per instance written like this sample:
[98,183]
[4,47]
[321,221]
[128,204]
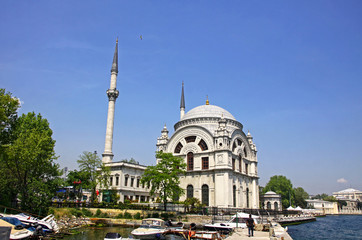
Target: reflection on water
[98,233]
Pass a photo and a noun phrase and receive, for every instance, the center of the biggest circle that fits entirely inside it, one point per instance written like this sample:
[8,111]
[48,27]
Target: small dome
[269,193]
[208,111]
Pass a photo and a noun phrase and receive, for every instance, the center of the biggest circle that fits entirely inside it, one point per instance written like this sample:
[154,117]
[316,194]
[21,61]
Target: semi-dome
[207,111]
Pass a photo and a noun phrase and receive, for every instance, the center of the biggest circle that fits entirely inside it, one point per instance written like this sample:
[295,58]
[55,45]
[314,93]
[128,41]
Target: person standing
[250,223]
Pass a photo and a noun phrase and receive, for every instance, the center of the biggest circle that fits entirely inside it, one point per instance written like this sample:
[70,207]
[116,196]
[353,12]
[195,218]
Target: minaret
[112,94]
[182,104]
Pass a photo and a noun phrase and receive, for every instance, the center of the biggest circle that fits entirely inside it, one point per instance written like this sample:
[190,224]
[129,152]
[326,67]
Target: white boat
[113,236]
[48,223]
[149,229]
[237,221]
[15,233]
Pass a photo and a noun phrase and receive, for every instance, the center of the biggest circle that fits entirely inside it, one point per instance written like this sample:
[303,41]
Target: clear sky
[289,71]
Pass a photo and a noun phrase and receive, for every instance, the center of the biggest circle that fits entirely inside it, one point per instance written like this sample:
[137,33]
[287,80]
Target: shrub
[127,215]
[76,212]
[86,212]
[165,216]
[98,213]
[137,216]
[104,215]
[155,215]
[120,215]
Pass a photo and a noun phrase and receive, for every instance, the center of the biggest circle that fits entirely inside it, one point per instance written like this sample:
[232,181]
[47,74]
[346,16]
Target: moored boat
[113,236]
[183,234]
[16,233]
[48,223]
[151,228]
[237,221]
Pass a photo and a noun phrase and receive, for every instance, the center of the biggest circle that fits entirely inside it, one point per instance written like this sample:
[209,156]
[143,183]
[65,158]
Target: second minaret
[112,94]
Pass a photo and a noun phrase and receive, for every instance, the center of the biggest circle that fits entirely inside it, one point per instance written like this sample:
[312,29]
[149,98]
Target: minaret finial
[182,103]
[115,59]
[207,100]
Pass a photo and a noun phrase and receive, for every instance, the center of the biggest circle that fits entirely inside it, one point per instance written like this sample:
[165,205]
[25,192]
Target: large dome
[207,111]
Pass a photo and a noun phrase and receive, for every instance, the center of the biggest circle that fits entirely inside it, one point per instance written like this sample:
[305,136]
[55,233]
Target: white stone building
[352,197]
[323,207]
[221,159]
[125,180]
[271,201]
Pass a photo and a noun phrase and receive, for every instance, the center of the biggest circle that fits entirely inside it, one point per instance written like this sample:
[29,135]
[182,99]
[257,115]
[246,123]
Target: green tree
[98,173]
[283,186]
[320,196]
[79,180]
[330,199]
[8,116]
[28,162]
[300,197]
[164,178]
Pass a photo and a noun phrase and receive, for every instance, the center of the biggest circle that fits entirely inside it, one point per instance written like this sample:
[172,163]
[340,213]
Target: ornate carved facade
[221,159]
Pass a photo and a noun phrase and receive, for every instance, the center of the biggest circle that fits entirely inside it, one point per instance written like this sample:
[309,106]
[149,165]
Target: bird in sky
[141,37]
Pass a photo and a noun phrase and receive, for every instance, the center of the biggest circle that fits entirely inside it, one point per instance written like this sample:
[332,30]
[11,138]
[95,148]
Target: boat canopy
[244,215]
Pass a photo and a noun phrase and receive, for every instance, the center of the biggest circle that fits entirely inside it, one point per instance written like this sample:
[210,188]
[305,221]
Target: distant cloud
[341,180]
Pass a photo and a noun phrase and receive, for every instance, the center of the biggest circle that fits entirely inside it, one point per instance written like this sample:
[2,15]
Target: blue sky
[289,71]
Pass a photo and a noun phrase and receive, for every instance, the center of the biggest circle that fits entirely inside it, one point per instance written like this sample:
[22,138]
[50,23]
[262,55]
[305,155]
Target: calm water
[330,227]
[98,233]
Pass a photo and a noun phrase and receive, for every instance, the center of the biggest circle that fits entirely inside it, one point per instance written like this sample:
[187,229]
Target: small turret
[163,140]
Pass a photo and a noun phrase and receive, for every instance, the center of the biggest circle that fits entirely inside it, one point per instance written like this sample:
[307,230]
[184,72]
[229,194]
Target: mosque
[221,159]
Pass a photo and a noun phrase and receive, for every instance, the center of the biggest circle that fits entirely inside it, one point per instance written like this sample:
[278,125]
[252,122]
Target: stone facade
[221,159]
[125,180]
[323,207]
[271,201]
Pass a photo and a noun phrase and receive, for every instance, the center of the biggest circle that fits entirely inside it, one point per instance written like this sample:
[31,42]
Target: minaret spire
[182,104]
[112,94]
[115,59]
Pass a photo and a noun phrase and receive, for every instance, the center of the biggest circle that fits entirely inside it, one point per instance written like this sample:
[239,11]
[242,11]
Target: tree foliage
[164,178]
[283,186]
[28,162]
[300,197]
[8,115]
[97,173]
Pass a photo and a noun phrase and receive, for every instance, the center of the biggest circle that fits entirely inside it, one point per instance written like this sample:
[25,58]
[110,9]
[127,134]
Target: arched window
[268,206]
[247,198]
[190,139]
[240,159]
[203,145]
[178,148]
[234,196]
[233,164]
[245,154]
[276,207]
[190,161]
[205,195]
[190,191]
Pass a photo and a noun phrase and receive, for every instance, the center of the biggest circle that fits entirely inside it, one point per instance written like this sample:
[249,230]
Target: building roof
[348,190]
[269,193]
[208,111]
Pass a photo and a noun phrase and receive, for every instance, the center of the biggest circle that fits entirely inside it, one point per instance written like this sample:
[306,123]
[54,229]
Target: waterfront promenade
[242,233]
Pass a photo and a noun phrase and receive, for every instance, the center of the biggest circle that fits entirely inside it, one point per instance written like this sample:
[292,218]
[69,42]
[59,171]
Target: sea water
[98,233]
[329,227]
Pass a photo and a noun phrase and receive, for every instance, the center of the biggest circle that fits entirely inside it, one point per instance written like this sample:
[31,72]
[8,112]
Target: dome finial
[207,100]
